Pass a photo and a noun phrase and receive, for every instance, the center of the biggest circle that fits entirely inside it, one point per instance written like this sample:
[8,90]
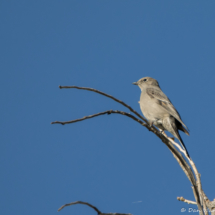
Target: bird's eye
[145,79]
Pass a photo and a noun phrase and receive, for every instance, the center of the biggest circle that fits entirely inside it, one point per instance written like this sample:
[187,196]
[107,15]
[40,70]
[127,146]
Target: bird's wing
[157,94]
[164,102]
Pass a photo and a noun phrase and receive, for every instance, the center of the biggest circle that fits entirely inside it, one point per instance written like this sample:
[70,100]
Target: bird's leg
[151,123]
[161,131]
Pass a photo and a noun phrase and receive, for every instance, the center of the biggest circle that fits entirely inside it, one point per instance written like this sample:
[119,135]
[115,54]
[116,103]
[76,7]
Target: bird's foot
[151,123]
[161,131]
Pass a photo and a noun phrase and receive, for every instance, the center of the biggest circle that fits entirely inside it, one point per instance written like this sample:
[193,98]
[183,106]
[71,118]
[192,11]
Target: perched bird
[158,109]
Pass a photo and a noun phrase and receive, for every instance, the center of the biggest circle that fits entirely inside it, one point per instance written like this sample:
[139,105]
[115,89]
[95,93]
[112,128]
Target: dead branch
[210,204]
[95,208]
[196,195]
[199,186]
[109,96]
[99,114]
[166,139]
[186,201]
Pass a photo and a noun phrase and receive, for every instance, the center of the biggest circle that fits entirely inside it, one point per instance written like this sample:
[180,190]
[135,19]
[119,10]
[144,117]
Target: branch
[99,114]
[210,204]
[186,201]
[195,192]
[202,200]
[109,96]
[95,208]
[177,145]
[168,141]
[199,186]
[80,202]
[197,189]
[198,193]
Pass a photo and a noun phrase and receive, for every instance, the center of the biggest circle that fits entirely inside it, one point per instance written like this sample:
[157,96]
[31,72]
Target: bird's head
[146,81]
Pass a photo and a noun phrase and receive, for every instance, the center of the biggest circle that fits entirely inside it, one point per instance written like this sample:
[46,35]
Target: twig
[99,114]
[109,96]
[198,181]
[186,201]
[199,186]
[176,144]
[203,202]
[196,195]
[196,188]
[83,203]
[95,208]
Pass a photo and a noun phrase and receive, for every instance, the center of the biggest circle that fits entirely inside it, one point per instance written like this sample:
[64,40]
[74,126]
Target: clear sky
[109,161]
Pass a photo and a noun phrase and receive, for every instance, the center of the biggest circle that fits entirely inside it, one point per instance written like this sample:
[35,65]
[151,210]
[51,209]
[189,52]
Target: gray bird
[158,109]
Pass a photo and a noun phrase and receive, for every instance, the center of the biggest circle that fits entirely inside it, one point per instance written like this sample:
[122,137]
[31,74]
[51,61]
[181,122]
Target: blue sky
[109,161]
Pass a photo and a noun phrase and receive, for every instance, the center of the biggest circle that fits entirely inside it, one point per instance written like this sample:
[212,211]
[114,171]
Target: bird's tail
[172,125]
[182,143]
[180,127]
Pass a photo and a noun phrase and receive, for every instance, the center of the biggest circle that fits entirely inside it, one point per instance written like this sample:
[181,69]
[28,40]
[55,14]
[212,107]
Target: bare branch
[198,181]
[196,188]
[80,202]
[109,96]
[195,192]
[210,204]
[168,141]
[199,186]
[176,144]
[99,114]
[186,201]
[95,208]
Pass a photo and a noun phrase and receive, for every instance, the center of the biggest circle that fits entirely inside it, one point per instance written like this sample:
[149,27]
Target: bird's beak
[135,83]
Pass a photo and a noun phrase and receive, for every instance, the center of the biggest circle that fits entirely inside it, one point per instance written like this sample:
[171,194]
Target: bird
[158,109]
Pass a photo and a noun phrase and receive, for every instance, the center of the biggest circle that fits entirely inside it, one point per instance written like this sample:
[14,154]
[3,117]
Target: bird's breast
[151,108]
